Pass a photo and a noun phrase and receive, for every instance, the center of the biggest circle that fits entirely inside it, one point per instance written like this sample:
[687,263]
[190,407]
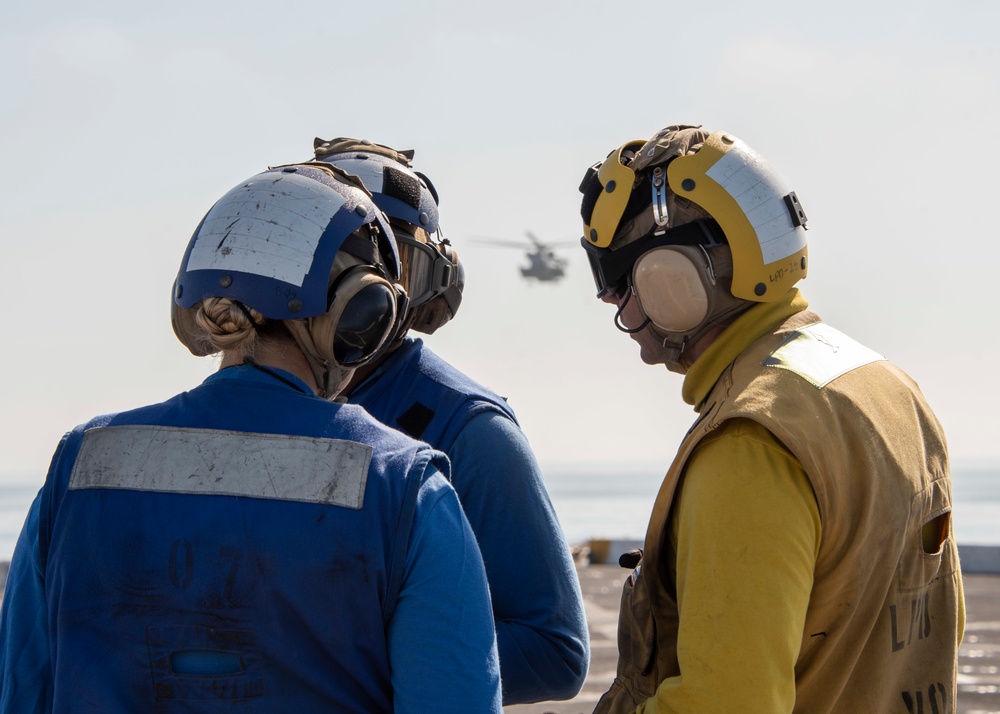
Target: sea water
[604,502]
[615,503]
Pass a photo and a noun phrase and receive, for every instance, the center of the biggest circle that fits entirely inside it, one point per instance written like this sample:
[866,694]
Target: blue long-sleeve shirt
[537,605]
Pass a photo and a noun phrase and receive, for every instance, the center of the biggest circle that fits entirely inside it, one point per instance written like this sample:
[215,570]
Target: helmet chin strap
[330,377]
[673,349]
[676,344]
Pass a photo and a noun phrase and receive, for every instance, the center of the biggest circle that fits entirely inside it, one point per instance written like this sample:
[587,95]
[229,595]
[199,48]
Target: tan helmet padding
[323,148]
[327,373]
[315,335]
[669,143]
[431,315]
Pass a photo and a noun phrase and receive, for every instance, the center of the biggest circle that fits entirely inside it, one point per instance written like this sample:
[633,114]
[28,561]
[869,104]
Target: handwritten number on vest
[181,566]
[234,556]
[919,625]
[937,700]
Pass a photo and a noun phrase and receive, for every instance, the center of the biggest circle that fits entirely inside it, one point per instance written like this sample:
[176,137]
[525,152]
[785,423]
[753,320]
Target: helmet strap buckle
[659,187]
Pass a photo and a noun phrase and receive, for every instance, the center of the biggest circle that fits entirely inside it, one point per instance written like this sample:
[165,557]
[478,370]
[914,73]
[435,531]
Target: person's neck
[695,350]
[277,354]
[364,371]
[361,374]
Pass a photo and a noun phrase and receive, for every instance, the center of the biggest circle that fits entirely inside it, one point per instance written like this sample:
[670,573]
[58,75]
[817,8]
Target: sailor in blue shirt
[251,545]
[537,606]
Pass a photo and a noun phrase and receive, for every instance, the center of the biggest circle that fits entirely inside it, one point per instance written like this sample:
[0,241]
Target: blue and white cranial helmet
[270,242]
[402,193]
[432,274]
[303,245]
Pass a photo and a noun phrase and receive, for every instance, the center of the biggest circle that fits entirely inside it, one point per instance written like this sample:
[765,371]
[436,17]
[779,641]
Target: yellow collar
[746,329]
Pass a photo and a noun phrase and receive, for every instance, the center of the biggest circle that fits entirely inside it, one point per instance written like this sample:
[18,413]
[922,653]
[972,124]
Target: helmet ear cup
[359,322]
[362,313]
[672,285]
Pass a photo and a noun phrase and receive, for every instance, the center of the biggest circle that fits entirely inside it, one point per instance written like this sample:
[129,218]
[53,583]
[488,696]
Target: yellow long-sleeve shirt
[746,532]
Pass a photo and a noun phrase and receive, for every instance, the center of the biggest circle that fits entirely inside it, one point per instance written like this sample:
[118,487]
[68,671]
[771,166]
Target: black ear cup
[364,307]
[673,286]
[364,324]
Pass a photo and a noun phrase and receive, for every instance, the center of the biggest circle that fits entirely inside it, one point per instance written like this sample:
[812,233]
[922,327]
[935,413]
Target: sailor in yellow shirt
[799,556]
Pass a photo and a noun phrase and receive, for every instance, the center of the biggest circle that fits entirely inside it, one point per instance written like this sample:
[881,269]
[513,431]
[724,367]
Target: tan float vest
[884,620]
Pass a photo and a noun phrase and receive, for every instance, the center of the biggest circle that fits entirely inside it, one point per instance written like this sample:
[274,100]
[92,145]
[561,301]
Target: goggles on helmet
[617,181]
[427,272]
[611,269]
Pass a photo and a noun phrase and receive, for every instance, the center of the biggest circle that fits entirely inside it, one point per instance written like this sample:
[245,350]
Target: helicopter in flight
[543,263]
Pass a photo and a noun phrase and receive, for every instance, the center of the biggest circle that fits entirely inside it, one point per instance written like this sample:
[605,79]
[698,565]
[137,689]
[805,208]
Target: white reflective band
[820,354]
[223,463]
[760,193]
[370,172]
[266,227]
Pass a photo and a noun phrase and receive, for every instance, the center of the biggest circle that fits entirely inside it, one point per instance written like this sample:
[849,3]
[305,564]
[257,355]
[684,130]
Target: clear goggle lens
[426,272]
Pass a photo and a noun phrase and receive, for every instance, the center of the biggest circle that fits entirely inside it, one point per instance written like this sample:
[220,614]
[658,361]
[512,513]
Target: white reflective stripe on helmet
[268,229]
[762,221]
[759,192]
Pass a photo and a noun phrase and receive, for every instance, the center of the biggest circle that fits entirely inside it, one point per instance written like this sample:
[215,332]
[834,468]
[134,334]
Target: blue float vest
[420,394]
[185,575]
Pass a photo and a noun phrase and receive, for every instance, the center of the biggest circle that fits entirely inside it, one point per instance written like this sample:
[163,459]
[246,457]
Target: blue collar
[252,372]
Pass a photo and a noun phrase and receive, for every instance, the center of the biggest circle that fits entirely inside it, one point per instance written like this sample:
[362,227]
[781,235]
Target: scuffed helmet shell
[271,241]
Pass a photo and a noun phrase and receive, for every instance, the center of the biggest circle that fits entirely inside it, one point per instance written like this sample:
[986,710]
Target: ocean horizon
[615,503]
[603,501]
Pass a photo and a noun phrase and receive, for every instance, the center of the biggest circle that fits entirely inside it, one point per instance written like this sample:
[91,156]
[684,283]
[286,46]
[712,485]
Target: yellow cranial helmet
[763,222]
[617,181]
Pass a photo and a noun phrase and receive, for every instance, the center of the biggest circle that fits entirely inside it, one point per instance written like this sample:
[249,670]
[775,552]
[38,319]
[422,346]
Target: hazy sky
[123,122]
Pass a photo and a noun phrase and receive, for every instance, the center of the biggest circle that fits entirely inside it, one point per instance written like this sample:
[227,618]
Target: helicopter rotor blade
[525,245]
[552,244]
[564,244]
[520,244]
